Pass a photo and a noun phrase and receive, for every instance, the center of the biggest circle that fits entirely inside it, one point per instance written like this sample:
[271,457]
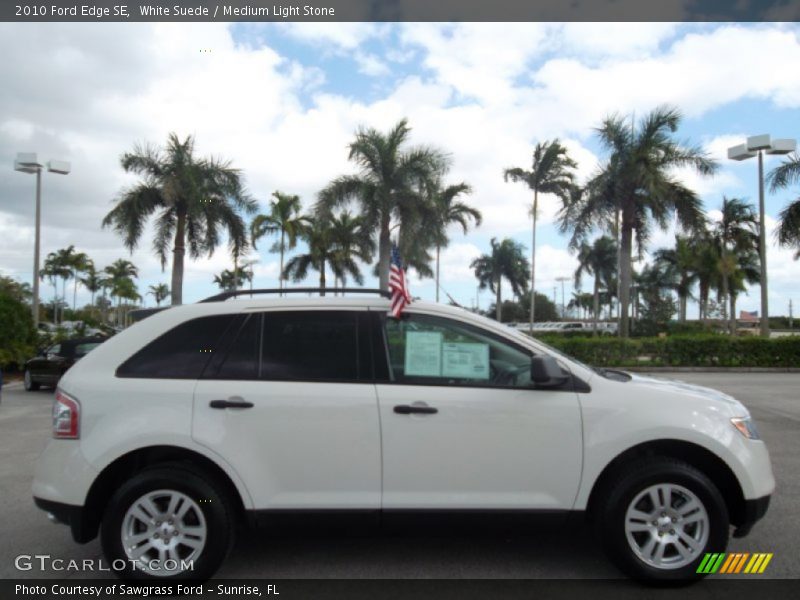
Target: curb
[643,369]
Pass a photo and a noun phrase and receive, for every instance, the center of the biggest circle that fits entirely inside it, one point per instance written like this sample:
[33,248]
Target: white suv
[251,411]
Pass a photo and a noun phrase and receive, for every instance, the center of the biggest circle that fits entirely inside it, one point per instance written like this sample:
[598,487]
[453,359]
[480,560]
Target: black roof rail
[303,290]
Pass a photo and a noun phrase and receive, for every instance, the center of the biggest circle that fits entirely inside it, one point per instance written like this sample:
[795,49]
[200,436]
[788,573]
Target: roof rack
[303,290]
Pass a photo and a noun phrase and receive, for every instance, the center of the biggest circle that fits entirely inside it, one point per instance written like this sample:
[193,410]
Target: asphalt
[773,399]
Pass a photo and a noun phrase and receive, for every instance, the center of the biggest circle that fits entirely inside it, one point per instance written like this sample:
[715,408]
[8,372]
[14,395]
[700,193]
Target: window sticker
[423,354]
[465,361]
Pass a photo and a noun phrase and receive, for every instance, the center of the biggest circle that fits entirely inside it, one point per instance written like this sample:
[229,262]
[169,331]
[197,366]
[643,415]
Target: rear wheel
[660,518]
[167,523]
[30,385]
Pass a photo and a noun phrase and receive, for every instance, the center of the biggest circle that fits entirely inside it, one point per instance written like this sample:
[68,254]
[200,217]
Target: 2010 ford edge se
[207,416]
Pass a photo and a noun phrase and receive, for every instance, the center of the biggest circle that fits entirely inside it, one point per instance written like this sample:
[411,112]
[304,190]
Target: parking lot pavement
[773,399]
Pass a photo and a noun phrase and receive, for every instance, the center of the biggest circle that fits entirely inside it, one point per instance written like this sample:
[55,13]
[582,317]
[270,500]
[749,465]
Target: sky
[282,101]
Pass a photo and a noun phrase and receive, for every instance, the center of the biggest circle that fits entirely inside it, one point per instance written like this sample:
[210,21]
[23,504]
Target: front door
[464,428]
[292,407]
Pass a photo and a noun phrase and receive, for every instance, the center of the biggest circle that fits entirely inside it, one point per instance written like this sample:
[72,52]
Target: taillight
[66,417]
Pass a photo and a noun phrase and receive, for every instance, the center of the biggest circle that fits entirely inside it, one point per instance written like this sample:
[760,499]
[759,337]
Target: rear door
[291,405]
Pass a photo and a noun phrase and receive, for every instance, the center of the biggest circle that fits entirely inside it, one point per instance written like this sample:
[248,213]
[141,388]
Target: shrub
[702,350]
[17,335]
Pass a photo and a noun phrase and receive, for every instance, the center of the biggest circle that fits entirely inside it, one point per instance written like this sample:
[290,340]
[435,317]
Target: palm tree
[780,177]
[56,268]
[284,219]
[682,260]
[637,186]
[351,242]
[706,266]
[316,233]
[229,280]
[389,186]
[506,261]
[194,199]
[551,173]
[448,210]
[121,274]
[92,281]
[159,292]
[600,260]
[80,263]
[735,233]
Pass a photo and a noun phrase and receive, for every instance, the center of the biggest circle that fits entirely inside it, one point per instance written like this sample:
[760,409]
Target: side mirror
[546,373]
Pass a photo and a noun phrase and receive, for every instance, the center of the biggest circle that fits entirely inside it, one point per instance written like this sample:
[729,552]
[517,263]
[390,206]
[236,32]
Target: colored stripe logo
[734,563]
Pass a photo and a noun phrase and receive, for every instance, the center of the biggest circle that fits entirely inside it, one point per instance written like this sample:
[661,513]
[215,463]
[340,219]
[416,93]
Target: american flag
[397,285]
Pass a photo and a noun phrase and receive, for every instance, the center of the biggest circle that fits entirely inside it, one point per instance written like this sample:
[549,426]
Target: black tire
[621,491]
[216,510]
[30,385]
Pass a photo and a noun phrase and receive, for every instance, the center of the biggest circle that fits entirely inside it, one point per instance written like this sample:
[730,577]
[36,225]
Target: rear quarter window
[181,352]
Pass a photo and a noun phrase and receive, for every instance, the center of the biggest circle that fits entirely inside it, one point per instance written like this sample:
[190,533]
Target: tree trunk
[626,245]
[596,303]
[533,261]
[322,279]
[683,302]
[280,275]
[498,302]
[384,251]
[75,293]
[725,299]
[733,313]
[177,260]
[437,272]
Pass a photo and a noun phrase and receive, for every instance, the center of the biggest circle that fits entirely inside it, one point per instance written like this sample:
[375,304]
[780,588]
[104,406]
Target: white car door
[295,411]
[463,427]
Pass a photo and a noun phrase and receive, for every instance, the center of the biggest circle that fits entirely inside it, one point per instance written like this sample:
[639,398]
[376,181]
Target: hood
[690,390]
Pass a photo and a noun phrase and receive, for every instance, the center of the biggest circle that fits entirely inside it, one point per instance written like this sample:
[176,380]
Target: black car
[51,363]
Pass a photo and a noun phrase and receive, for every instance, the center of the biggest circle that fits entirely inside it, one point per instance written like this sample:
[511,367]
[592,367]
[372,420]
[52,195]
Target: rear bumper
[754,511]
[68,514]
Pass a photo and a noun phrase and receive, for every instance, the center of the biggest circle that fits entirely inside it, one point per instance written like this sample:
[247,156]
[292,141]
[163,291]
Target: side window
[241,359]
[84,349]
[54,349]
[180,353]
[427,350]
[310,346]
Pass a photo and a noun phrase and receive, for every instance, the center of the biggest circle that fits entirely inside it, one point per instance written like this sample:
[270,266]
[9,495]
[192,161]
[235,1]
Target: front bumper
[82,530]
[754,510]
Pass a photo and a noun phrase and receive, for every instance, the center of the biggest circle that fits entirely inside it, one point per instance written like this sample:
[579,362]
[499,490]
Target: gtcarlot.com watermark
[45,562]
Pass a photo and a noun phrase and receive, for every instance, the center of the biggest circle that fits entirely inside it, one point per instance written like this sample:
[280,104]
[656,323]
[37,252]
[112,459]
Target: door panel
[301,445]
[484,448]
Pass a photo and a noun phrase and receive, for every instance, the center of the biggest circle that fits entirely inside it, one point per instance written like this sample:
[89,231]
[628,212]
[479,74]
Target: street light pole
[762,250]
[756,146]
[37,245]
[27,162]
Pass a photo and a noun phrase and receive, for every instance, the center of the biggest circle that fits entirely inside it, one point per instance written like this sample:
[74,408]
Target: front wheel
[659,520]
[167,524]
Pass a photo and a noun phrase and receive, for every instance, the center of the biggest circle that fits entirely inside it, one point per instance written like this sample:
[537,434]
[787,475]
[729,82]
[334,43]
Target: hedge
[682,351]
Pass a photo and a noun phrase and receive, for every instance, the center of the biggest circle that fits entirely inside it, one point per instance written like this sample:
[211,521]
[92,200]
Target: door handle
[405,409]
[234,402]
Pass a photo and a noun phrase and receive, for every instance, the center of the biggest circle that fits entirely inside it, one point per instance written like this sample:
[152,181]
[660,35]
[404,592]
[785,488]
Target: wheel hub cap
[667,526]
[163,531]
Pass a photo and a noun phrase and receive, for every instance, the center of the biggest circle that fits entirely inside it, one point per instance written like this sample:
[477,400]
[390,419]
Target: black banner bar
[400,10]
[388,589]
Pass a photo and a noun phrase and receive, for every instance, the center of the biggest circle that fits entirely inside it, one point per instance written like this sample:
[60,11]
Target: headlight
[746,427]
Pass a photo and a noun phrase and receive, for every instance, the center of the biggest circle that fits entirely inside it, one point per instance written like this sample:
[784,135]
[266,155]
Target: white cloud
[484,95]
